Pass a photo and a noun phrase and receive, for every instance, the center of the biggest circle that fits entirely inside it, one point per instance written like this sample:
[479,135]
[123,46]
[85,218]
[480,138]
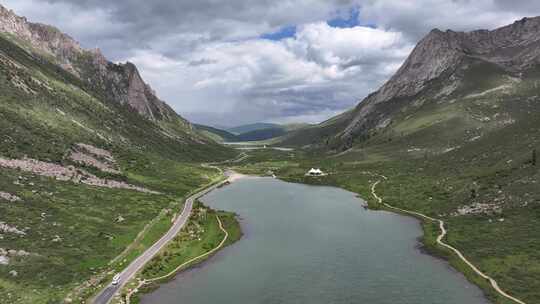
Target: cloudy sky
[229,62]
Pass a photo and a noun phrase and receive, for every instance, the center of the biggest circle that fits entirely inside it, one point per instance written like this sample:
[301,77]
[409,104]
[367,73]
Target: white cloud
[206,59]
[89,26]
[319,72]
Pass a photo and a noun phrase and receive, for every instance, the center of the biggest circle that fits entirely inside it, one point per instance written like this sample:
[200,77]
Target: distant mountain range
[253,127]
[249,132]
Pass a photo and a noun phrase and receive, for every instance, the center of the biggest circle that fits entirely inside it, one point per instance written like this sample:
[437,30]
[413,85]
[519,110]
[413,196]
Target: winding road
[106,295]
[144,282]
[442,243]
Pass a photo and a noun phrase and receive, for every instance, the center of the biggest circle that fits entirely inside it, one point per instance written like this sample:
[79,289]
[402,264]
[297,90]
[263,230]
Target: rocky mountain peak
[441,50]
[44,38]
[514,48]
[433,55]
[121,83]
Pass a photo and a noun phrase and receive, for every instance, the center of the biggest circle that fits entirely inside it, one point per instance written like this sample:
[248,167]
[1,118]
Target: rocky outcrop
[47,39]
[514,48]
[9,197]
[70,173]
[5,228]
[120,83]
[94,157]
[129,88]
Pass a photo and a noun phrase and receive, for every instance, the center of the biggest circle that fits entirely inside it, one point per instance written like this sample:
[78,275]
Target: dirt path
[442,243]
[175,271]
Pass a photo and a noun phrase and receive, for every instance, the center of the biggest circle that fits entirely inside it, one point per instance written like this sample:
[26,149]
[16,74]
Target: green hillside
[252,127]
[252,132]
[81,177]
[216,134]
[261,134]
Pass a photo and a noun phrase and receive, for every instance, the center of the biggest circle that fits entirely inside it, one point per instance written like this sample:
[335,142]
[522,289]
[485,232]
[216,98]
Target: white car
[116,279]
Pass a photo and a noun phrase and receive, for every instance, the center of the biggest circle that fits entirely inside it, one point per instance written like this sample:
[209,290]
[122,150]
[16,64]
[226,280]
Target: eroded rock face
[514,48]
[119,82]
[47,39]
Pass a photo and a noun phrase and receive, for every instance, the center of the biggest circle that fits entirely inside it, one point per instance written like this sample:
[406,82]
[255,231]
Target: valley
[89,181]
[99,177]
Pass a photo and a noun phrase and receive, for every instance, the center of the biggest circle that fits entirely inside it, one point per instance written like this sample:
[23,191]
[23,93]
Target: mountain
[439,82]
[261,134]
[218,135]
[252,127]
[295,126]
[37,56]
[116,82]
[92,163]
[250,132]
[264,131]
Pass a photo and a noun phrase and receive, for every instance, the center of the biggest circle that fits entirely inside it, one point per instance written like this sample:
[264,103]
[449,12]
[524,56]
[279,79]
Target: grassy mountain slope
[316,135]
[216,134]
[261,134]
[252,127]
[57,240]
[252,132]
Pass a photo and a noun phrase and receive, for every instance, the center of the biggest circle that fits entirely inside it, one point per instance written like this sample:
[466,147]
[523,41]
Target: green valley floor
[492,213]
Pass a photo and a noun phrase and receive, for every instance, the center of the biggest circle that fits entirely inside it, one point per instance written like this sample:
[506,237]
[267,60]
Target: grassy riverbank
[502,243]
[202,234]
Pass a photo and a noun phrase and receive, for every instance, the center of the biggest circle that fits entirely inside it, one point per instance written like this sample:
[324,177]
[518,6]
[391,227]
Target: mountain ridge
[120,83]
[443,67]
[513,47]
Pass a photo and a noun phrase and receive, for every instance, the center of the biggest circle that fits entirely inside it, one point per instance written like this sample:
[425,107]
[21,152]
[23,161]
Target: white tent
[314,171]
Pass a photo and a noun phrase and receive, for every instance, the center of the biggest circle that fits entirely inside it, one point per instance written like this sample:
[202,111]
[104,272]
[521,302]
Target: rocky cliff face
[48,40]
[514,48]
[118,82]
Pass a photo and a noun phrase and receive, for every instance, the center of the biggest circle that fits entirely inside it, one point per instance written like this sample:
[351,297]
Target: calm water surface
[307,244]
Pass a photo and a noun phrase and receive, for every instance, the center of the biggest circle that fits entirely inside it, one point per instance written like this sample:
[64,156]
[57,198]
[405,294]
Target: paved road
[105,296]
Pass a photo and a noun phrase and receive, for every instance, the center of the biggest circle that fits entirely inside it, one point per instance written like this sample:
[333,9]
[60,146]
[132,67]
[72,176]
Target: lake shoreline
[199,261]
[134,296]
[355,194]
[427,242]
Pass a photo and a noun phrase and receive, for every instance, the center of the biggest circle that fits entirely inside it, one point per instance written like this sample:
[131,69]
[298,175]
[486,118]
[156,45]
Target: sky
[231,62]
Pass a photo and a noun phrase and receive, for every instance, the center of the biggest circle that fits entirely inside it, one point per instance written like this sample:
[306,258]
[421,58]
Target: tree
[534,157]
